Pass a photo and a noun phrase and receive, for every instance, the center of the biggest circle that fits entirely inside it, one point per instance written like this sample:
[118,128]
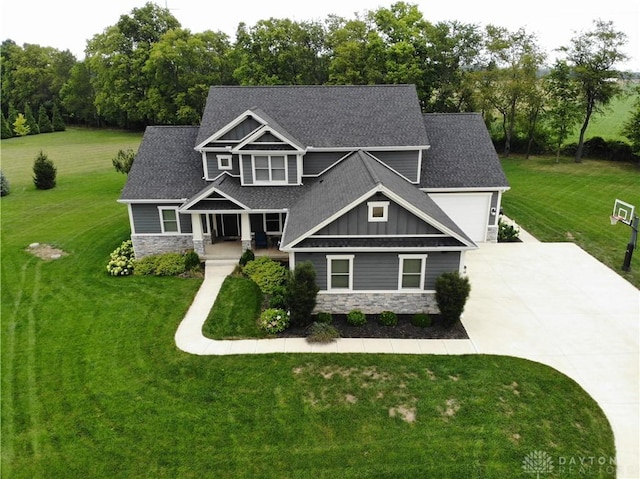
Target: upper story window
[378,211]
[270,169]
[225,162]
[169,220]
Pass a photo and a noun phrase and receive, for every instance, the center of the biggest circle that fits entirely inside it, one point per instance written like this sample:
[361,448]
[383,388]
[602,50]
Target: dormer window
[225,162]
[378,211]
[269,169]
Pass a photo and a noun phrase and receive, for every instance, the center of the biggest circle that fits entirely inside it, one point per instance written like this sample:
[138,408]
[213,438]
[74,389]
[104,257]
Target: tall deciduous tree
[116,59]
[78,96]
[513,62]
[281,51]
[563,109]
[181,68]
[631,128]
[593,55]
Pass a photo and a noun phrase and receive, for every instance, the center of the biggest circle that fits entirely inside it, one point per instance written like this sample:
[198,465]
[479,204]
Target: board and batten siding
[356,222]
[146,219]
[406,163]
[379,271]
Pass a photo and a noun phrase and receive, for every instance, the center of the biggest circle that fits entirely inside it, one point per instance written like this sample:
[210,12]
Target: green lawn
[93,385]
[572,202]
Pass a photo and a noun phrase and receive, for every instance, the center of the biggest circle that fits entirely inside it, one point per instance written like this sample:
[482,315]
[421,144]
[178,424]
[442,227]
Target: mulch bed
[372,329]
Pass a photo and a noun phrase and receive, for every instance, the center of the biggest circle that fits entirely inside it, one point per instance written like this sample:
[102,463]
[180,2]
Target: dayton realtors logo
[537,462]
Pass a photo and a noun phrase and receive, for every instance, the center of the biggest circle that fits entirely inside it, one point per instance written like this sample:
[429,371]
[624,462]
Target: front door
[228,225]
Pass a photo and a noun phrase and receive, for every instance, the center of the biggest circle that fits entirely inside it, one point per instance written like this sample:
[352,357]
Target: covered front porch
[232,249]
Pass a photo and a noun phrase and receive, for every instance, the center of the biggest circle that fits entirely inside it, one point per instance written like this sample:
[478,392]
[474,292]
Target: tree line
[146,69]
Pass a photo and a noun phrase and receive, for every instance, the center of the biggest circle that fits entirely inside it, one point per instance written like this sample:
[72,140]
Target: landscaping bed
[373,329]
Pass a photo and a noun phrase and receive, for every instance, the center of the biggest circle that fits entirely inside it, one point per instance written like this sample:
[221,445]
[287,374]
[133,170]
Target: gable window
[225,162]
[270,168]
[340,272]
[169,220]
[378,211]
[412,267]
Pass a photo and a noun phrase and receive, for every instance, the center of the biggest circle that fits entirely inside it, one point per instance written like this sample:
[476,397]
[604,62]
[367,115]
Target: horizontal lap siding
[404,162]
[292,166]
[316,162]
[146,219]
[379,271]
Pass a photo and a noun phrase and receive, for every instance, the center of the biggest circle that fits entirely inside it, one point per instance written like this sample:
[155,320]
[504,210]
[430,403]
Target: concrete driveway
[555,304]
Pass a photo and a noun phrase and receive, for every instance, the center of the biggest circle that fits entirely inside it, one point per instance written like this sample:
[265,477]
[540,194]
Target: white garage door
[469,210]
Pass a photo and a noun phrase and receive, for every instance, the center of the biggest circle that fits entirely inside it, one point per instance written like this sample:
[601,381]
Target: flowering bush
[121,262]
[273,320]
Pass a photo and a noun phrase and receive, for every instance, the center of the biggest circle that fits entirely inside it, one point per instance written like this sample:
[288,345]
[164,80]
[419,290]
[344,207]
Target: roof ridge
[370,170]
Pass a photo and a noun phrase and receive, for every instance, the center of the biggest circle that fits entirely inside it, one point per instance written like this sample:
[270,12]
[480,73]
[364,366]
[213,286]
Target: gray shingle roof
[348,181]
[166,165]
[461,153]
[325,116]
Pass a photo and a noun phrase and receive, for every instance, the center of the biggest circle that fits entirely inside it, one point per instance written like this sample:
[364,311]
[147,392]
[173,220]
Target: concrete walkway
[547,302]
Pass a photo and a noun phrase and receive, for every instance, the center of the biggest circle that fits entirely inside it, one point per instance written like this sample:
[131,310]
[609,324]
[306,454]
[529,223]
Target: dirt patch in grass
[45,251]
[373,329]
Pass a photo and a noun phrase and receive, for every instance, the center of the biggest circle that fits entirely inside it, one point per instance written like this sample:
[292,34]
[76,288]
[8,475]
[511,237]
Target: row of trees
[146,69]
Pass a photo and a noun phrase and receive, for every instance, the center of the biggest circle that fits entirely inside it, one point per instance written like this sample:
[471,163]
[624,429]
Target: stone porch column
[245,231]
[198,238]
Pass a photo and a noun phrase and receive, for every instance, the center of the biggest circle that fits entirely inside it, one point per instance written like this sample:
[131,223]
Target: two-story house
[380,197]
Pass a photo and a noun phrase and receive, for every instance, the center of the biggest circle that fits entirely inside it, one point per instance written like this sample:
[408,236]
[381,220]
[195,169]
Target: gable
[244,129]
[399,222]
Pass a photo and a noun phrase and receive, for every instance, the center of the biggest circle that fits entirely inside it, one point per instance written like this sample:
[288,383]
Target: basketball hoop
[614,219]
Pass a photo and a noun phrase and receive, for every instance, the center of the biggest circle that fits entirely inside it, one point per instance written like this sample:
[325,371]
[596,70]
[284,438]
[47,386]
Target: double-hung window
[169,220]
[412,268]
[273,222]
[270,168]
[340,272]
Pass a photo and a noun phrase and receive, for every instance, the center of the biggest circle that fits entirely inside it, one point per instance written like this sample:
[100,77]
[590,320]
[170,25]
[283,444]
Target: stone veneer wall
[372,303]
[492,234]
[148,245]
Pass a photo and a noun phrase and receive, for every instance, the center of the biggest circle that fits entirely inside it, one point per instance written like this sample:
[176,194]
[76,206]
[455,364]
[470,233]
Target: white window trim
[221,158]
[330,258]
[270,181]
[280,222]
[401,258]
[385,211]
[172,208]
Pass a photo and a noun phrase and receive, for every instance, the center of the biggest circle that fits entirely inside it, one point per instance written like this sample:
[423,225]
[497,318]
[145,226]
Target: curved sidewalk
[189,336]
[547,302]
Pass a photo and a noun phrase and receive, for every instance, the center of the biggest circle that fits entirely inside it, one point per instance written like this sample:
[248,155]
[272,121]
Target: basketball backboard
[623,211]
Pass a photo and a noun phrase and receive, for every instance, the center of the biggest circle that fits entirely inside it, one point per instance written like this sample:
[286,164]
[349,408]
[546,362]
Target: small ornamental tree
[44,124]
[452,291]
[123,161]
[20,126]
[56,119]
[301,292]
[4,184]
[44,172]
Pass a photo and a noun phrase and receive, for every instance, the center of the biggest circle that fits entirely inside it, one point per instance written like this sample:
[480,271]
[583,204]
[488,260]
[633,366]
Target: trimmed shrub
[452,291]
[388,318]
[322,333]
[4,185]
[323,317]
[267,274]
[246,257]
[121,261]
[277,298]
[421,320]
[356,318]
[507,233]
[273,320]
[44,173]
[301,292]
[166,264]
[191,260]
